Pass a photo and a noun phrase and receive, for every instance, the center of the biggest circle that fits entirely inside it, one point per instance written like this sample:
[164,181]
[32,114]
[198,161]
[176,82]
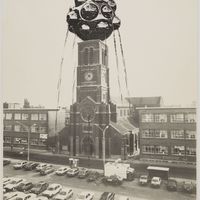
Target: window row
[124,112]
[163,150]
[19,128]
[174,118]
[40,142]
[175,134]
[26,116]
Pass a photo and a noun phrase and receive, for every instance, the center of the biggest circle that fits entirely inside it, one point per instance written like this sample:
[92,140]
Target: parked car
[6,162]
[72,172]
[52,190]
[114,180]
[40,198]
[171,185]
[156,182]
[10,195]
[93,176]
[83,172]
[85,196]
[39,187]
[20,165]
[30,166]
[13,184]
[64,194]
[188,187]
[143,180]
[107,196]
[24,196]
[41,166]
[24,186]
[6,180]
[46,170]
[62,170]
[124,198]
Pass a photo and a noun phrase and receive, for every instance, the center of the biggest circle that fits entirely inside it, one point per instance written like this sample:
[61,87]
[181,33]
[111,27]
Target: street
[131,189]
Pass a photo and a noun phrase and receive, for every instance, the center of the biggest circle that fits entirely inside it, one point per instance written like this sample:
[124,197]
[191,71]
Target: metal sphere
[93,19]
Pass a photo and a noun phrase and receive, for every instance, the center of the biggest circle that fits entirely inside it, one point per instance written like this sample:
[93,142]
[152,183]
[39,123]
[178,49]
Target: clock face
[87,113]
[88,76]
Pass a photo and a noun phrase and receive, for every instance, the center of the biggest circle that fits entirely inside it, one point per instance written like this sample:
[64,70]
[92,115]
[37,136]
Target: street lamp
[28,128]
[103,143]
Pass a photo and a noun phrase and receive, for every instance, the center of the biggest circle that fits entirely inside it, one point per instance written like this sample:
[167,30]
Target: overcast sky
[159,40]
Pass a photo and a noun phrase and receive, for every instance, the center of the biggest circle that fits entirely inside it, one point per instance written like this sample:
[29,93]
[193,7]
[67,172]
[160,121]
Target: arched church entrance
[87,146]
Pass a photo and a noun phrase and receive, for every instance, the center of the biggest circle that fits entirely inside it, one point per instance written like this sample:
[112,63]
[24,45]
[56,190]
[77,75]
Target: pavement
[131,189]
[178,169]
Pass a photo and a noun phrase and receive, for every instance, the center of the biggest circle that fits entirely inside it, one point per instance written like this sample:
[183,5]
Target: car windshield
[51,188]
[71,170]
[63,193]
[13,182]
[38,185]
[143,177]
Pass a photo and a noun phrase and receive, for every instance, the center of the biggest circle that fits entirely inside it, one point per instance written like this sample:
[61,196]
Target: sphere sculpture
[93,19]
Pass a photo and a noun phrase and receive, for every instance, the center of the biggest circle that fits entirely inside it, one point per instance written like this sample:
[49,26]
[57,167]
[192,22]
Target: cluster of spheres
[93,19]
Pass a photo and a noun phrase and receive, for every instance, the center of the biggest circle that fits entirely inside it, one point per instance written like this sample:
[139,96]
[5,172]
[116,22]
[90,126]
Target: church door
[87,146]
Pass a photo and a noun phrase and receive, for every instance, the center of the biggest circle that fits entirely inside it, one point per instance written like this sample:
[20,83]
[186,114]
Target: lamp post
[103,144]
[28,128]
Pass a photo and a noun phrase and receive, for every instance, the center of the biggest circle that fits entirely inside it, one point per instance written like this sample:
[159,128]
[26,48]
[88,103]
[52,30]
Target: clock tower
[93,109]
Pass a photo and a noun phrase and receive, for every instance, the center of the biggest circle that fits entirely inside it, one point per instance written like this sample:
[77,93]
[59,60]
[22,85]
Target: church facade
[93,113]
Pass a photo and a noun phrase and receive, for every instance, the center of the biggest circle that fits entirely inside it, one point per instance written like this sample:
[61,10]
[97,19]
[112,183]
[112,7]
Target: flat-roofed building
[167,133]
[40,121]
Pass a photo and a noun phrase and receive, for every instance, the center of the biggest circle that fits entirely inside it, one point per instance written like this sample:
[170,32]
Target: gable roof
[123,126]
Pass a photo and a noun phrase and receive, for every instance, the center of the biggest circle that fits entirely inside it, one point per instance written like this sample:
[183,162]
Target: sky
[159,40]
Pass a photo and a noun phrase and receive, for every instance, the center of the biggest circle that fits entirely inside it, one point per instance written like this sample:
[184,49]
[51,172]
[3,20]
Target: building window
[161,150]
[20,140]
[9,116]
[8,127]
[191,151]
[177,118]
[7,139]
[190,118]
[178,150]
[124,112]
[160,118]
[148,149]
[34,117]
[42,129]
[190,135]
[17,116]
[154,133]
[121,113]
[85,57]
[87,128]
[147,118]
[34,141]
[34,129]
[177,134]
[160,133]
[4,116]
[24,116]
[91,55]
[17,128]
[43,117]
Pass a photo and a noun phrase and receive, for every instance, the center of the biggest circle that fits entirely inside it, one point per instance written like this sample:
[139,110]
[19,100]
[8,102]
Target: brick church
[93,111]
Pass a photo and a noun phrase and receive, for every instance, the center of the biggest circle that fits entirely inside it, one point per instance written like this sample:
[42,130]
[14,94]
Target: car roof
[156,177]
[54,185]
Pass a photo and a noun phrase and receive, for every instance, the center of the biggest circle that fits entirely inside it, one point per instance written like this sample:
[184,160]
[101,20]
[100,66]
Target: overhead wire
[125,70]
[117,65]
[59,86]
[74,71]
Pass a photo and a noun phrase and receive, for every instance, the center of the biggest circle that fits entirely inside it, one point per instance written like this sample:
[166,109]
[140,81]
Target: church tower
[93,110]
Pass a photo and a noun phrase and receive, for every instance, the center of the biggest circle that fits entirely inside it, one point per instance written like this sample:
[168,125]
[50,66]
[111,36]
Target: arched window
[91,55]
[85,57]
